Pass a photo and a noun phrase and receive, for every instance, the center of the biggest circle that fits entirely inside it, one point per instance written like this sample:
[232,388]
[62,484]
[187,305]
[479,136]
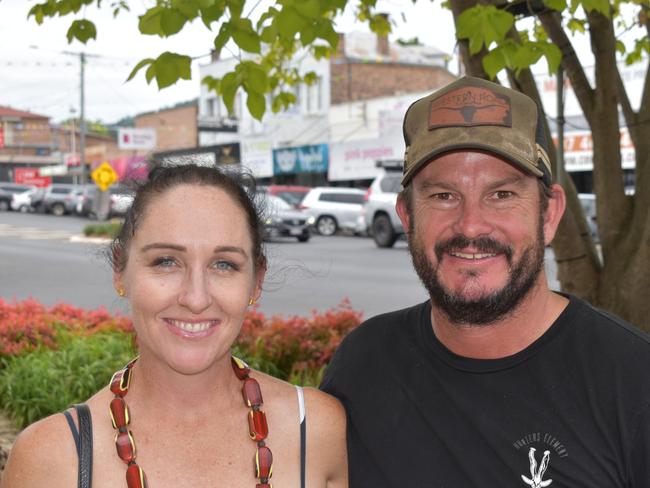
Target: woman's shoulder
[44,454]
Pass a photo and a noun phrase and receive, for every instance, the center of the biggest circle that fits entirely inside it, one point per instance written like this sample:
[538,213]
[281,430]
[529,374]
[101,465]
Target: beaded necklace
[257,425]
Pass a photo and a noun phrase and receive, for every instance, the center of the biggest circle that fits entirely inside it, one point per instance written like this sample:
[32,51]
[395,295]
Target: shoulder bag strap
[85,446]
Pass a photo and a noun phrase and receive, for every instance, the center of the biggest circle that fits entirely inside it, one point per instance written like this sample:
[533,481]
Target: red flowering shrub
[295,348]
[26,325]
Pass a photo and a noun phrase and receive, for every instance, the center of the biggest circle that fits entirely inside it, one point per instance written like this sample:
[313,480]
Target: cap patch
[470,106]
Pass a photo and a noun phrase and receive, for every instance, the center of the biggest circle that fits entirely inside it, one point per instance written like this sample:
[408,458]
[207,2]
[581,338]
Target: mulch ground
[8,433]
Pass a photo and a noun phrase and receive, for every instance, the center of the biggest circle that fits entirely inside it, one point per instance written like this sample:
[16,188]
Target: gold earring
[121,292]
[251,302]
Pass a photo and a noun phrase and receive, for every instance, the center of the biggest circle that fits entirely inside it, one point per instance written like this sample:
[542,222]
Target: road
[38,260]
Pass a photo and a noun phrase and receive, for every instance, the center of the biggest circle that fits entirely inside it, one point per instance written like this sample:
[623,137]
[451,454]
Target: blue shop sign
[303,159]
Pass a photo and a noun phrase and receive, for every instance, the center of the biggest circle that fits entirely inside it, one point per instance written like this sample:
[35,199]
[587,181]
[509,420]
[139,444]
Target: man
[496,381]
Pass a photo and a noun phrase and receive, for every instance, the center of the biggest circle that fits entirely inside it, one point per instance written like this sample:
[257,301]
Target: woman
[189,259]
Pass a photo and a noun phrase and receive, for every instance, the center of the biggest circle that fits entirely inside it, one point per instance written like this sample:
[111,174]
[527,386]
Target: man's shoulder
[377,328]
[613,332]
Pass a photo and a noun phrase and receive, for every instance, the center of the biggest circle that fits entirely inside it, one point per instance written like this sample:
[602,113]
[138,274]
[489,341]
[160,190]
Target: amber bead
[121,381]
[240,368]
[263,463]
[257,425]
[125,446]
[263,485]
[135,477]
[252,393]
[119,413]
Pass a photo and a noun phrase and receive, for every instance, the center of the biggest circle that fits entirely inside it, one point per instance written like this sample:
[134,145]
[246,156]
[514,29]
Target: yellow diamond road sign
[104,176]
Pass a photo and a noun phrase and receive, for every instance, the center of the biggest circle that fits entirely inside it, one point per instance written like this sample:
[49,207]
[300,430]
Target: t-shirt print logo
[536,475]
[470,106]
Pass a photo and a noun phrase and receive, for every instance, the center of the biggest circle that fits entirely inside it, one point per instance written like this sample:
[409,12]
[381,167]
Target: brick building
[367,66]
[175,126]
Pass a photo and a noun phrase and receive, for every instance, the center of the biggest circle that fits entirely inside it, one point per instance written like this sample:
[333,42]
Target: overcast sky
[44,80]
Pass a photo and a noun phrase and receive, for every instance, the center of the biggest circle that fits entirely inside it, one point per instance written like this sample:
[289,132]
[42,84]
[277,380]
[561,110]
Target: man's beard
[485,309]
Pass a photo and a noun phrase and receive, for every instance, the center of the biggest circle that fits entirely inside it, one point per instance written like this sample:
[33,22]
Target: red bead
[135,477]
[125,446]
[240,368]
[257,425]
[119,413]
[263,463]
[121,381]
[252,393]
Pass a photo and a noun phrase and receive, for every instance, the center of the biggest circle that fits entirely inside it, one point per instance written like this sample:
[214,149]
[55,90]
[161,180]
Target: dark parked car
[283,220]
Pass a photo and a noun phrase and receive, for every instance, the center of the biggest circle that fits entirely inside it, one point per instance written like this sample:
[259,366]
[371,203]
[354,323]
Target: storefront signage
[579,153]
[357,160]
[132,138]
[303,159]
[31,176]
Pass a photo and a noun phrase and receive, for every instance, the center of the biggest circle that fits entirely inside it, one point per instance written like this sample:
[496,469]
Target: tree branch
[552,23]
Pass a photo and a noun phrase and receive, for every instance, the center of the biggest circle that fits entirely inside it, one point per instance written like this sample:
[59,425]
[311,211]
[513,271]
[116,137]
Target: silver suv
[379,211]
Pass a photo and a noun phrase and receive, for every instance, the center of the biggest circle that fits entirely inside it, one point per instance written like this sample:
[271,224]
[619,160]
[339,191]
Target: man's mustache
[481,244]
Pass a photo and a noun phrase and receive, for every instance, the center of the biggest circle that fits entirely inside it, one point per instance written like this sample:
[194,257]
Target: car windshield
[274,204]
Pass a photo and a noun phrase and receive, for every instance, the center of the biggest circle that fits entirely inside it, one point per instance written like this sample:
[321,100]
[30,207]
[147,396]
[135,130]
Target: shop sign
[31,176]
[303,159]
[357,160]
[132,138]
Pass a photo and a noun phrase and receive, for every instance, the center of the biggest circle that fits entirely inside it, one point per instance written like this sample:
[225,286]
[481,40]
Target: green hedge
[45,381]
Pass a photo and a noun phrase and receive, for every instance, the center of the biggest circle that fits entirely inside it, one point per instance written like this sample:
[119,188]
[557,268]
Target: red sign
[31,176]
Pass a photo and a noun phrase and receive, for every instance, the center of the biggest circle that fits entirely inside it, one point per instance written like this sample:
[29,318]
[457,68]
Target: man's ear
[554,212]
[402,211]
[117,281]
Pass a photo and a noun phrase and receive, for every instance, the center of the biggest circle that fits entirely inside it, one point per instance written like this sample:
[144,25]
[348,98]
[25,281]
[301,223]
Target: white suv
[335,208]
[379,212]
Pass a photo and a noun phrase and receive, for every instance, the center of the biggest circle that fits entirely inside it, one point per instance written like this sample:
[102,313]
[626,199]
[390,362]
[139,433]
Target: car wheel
[24,208]
[326,225]
[383,232]
[4,205]
[303,238]
[58,209]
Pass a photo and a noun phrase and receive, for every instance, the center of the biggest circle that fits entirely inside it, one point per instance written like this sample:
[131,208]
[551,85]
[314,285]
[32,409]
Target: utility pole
[82,125]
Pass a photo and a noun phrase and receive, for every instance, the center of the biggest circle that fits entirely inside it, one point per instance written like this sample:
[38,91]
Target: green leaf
[325,30]
[321,52]
[83,30]
[189,9]
[307,36]
[482,25]
[150,73]
[269,33]
[37,12]
[553,57]
[223,37]
[171,22]
[620,46]
[229,86]
[559,5]
[256,78]
[150,22]
[139,66]
[244,35]
[289,22]
[576,25]
[256,103]
[493,62]
[308,8]
[212,13]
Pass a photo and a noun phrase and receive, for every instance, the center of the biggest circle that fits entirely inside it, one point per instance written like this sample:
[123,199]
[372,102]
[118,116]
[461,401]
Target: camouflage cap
[472,113]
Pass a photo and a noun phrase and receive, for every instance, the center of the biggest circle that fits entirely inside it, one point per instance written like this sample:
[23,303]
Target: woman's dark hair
[239,186]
